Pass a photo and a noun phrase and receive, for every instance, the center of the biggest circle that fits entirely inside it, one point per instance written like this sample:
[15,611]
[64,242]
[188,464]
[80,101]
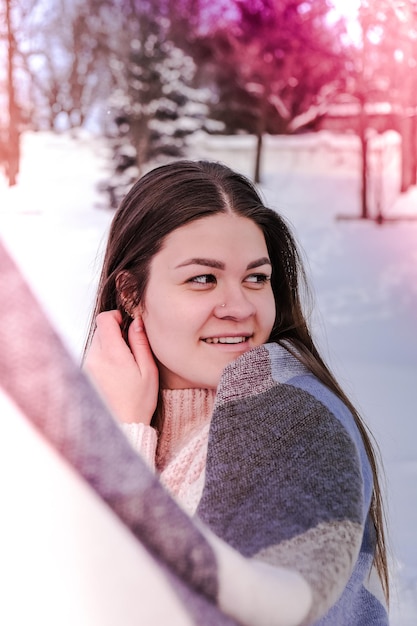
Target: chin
[207,382]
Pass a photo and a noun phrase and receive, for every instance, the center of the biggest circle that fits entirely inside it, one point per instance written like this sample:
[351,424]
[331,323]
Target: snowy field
[364,277]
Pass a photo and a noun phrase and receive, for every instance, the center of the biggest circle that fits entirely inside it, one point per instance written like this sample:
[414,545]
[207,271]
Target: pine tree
[156,107]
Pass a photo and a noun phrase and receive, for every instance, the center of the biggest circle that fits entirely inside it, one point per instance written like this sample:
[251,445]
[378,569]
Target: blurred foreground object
[66,556]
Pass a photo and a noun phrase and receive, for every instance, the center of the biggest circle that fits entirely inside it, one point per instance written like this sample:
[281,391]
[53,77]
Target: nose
[234,305]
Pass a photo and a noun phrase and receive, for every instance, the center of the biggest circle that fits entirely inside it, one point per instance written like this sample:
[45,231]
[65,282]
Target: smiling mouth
[230,340]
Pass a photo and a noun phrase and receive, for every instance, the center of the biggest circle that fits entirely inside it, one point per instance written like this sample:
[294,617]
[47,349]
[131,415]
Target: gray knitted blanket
[287,485]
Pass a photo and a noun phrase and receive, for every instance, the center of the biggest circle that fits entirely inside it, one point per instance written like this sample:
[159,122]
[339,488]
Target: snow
[364,278]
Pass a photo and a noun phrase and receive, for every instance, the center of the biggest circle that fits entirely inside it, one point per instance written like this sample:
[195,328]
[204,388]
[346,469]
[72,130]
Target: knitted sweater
[282,448]
[180,453]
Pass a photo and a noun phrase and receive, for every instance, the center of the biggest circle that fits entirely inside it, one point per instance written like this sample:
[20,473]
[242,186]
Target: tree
[155,107]
[406,56]
[382,70]
[10,144]
[276,59]
[63,50]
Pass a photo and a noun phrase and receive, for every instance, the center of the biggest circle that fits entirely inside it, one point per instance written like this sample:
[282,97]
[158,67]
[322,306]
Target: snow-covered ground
[364,277]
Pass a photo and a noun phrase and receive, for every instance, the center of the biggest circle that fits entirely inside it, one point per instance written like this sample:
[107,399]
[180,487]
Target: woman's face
[208,300]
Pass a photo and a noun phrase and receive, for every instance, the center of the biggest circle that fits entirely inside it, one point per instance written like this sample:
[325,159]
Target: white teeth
[225,339]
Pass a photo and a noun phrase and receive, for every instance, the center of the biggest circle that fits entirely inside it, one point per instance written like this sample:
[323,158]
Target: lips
[227,340]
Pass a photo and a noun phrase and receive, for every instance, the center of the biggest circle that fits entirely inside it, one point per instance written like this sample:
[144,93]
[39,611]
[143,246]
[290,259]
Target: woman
[200,347]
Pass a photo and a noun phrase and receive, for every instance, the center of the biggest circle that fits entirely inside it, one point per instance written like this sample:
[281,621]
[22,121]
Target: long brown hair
[173,195]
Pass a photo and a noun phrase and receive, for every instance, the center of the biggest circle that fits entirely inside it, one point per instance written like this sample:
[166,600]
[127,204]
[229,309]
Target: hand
[126,378]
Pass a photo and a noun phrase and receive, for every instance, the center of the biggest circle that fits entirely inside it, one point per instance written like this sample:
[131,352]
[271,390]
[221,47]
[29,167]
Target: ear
[127,292]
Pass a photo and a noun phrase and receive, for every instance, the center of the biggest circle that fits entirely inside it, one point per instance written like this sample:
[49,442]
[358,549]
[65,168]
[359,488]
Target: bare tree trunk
[260,131]
[259,138]
[407,123]
[414,148]
[139,133]
[413,134]
[406,153]
[364,166]
[13,140]
[413,124]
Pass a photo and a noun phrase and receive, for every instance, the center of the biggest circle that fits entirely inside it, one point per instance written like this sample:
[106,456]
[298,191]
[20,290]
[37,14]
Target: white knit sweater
[179,453]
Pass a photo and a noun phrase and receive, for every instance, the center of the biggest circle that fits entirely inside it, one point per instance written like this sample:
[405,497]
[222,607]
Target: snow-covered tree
[155,108]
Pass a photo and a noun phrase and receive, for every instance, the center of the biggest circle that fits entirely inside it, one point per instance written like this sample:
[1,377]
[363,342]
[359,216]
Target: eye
[257,279]
[203,279]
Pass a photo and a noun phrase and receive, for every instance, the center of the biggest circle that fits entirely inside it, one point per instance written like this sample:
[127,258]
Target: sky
[349,10]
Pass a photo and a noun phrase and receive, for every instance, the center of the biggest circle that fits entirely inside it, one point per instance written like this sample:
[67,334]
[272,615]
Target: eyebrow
[221,266]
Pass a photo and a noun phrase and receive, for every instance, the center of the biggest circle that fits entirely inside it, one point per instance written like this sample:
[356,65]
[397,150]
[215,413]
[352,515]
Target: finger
[140,347]
[107,319]
[108,324]
[107,336]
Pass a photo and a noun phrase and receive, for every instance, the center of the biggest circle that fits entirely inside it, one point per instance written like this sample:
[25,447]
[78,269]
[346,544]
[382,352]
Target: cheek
[166,325]
[269,314]
[154,322]
[158,325]
[161,336]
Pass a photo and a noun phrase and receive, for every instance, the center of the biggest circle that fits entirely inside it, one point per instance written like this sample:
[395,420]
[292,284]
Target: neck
[185,411]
